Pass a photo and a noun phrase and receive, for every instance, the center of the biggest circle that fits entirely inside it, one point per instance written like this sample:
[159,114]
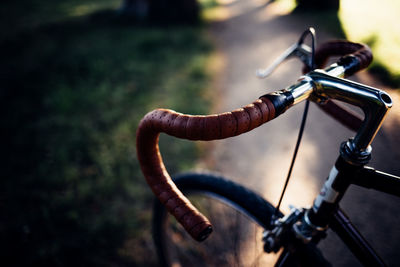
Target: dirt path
[253,34]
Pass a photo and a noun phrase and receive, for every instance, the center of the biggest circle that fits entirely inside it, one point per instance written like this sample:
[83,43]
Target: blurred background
[77,76]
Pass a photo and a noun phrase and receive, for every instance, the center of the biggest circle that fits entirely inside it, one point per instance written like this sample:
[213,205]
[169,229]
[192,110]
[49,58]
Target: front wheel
[238,215]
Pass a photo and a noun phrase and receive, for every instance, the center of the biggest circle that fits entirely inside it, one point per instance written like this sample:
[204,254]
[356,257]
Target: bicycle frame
[368,178]
[350,165]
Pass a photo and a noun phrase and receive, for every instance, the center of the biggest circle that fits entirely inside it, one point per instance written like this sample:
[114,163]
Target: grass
[22,16]
[376,23]
[75,82]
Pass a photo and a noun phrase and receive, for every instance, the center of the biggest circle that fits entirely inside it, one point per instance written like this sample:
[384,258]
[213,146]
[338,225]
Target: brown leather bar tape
[361,52]
[190,127]
[346,117]
[342,48]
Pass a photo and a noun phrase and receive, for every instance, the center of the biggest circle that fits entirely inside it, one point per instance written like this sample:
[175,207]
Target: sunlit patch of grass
[88,8]
[225,9]
[214,10]
[209,3]
[216,14]
[375,23]
[285,6]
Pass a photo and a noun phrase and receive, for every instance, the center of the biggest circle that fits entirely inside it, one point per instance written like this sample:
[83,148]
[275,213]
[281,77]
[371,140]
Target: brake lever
[299,50]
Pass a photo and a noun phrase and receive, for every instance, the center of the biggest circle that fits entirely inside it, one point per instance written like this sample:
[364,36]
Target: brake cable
[311,65]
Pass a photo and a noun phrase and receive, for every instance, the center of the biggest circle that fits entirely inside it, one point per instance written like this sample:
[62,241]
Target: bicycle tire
[235,242]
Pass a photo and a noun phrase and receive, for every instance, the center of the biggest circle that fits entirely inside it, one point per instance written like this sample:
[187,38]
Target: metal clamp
[275,238]
[305,230]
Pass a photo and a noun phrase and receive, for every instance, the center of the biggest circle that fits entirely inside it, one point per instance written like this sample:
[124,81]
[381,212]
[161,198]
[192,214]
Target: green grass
[208,3]
[74,86]
[22,16]
[376,23]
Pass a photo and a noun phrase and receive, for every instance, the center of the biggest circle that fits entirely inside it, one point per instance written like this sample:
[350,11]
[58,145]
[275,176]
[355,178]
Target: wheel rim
[236,240]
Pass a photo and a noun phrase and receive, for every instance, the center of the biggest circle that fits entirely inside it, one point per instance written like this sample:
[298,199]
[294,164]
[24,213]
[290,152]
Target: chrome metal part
[296,222]
[273,239]
[375,103]
[320,85]
[299,49]
[302,89]
[335,70]
[305,230]
[305,86]
[264,73]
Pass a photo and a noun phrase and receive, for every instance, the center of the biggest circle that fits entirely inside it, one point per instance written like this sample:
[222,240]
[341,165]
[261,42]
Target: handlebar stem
[374,103]
[320,85]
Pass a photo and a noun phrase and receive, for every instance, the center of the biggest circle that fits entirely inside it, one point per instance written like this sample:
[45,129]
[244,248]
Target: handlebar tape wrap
[190,127]
[355,57]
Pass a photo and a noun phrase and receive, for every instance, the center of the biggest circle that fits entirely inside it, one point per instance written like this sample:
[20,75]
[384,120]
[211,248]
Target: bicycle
[296,234]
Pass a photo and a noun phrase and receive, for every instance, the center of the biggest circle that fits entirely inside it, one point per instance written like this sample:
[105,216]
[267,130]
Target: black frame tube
[350,170]
[349,234]
[372,179]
